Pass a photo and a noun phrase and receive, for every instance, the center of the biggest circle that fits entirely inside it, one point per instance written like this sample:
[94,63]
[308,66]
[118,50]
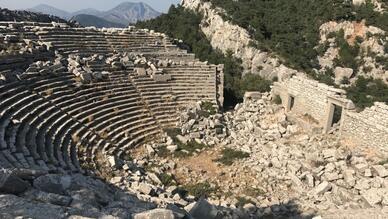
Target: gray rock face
[203,209]
[15,207]
[53,183]
[51,198]
[155,214]
[9,183]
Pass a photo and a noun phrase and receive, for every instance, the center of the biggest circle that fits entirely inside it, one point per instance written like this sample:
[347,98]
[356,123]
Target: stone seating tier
[55,122]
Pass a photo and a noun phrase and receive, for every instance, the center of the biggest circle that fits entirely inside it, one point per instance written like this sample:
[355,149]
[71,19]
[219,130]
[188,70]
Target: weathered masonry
[329,107]
[368,128]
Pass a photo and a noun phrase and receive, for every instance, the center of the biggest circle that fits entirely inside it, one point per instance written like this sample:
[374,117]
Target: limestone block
[161,78]
[341,73]
[322,188]
[155,214]
[86,77]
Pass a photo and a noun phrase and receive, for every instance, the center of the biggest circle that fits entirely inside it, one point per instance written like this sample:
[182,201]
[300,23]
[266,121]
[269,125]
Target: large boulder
[10,183]
[53,183]
[341,73]
[203,209]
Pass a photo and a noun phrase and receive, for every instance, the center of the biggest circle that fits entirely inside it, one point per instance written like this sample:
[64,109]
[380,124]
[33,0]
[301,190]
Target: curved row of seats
[193,83]
[54,122]
[158,98]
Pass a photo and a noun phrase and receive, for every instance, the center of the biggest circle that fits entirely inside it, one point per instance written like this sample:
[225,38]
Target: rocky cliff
[370,41]
[229,37]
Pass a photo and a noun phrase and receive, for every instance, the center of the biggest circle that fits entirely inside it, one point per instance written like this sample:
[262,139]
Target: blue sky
[74,5]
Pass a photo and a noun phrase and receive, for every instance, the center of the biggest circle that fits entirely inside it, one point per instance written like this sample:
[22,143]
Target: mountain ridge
[121,15]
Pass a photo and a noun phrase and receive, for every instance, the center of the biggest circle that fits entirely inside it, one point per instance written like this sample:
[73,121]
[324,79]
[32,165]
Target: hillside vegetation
[291,28]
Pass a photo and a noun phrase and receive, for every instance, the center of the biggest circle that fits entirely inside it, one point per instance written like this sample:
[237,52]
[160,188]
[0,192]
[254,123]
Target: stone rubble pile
[15,45]
[47,67]
[39,194]
[313,169]
[202,125]
[120,61]
[292,170]
[152,67]
[79,67]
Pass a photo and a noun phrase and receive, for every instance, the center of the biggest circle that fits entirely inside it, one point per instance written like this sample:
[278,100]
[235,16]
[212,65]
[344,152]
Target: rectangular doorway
[291,102]
[337,115]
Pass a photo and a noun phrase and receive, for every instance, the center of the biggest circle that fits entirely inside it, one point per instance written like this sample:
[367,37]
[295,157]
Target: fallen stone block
[86,77]
[322,188]
[380,171]
[155,214]
[182,139]
[141,71]
[373,196]
[9,183]
[145,189]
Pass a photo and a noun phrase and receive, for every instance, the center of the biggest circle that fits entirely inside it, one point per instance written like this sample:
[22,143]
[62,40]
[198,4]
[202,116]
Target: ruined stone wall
[361,131]
[367,129]
[311,98]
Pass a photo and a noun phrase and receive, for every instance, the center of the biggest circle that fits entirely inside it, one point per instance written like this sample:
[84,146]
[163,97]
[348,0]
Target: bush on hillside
[366,91]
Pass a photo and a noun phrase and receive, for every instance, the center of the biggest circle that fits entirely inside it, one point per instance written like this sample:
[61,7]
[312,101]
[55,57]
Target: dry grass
[49,92]
[310,119]
[105,98]
[75,138]
[90,118]
[103,134]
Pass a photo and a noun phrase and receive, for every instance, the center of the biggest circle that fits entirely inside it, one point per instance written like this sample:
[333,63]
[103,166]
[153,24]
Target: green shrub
[254,192]
[382,61]
[345,80]
[277,100]
[322,48]
[347,54]
[173,132]
[186,150]
[366,91]
[251,82]
[207,109]
[241,201]
[163,151]
[200,190]
[167,179]
[383,162]
[229,156]
[327,77]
